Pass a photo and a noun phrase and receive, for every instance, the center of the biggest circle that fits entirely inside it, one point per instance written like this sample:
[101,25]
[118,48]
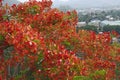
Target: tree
[38,42]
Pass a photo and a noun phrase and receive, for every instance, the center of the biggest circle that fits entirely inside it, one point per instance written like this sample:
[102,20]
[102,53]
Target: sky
[84,3]
[39,0]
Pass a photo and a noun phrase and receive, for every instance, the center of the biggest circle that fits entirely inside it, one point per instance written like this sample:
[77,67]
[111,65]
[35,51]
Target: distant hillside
[10,2]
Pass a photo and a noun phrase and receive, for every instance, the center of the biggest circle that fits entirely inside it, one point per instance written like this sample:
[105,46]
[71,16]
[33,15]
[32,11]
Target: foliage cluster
[38,42]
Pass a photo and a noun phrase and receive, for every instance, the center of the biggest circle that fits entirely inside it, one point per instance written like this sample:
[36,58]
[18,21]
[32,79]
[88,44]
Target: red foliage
[43,43]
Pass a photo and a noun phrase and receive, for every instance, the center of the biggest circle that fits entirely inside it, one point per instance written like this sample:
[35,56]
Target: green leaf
[7,52]
[36,41]
[100,72]
[81,78]
[33,9]
[1,38]
[6,17]
[32,25]
[68,45]
[40,56]
[21,74]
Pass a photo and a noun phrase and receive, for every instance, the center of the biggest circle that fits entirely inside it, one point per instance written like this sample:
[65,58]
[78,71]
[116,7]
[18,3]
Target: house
[80,24]
[109,17]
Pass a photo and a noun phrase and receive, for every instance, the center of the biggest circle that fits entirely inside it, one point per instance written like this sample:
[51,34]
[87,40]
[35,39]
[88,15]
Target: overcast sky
[85,3]
[40,0]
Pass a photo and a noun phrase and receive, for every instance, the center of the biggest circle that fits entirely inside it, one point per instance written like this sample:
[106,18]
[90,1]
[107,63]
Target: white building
[111,23]
[94,23]
[80,24]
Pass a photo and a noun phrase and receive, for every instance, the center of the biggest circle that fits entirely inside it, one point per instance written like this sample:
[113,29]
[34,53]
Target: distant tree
[99,15]
[89,28]
[111,28]
[87,18]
